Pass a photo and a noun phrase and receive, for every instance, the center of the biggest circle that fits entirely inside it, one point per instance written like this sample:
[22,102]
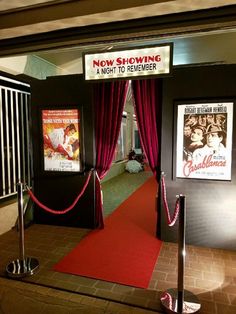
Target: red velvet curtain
[109,104]
[147,104]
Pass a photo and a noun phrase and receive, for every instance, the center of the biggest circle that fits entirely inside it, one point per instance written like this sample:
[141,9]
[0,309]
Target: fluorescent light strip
[13,81]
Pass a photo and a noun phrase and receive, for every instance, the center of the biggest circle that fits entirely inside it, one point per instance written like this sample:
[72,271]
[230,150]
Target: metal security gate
[15,157]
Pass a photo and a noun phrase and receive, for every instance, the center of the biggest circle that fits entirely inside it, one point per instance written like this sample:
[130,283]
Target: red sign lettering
[207,162]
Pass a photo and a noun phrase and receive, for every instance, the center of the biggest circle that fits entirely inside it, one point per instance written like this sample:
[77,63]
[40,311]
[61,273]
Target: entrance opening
[195,51]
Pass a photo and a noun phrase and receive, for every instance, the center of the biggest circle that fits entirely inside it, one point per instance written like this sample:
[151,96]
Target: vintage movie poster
[204,141]
[61,140]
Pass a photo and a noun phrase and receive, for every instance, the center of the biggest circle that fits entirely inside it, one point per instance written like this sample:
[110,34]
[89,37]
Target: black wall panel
[58,190]
[210,205]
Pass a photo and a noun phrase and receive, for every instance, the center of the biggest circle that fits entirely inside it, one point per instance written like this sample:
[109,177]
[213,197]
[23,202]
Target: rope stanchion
[24,266]
[171,221]
[60,212]
[180,300]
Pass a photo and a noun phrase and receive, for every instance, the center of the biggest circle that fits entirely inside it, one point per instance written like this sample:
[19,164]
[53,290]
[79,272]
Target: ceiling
[201,48]
[26,17]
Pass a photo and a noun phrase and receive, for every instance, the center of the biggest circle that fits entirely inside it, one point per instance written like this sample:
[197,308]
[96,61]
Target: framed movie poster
[61,140]
[204,140]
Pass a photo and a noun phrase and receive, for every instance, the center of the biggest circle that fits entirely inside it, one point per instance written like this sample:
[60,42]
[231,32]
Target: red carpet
[126,250]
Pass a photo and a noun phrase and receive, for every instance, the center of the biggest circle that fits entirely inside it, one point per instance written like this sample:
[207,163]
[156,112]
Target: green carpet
[119,188]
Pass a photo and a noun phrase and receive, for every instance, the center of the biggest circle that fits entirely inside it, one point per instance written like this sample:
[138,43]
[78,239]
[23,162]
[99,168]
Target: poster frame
[176,126]
[80,130]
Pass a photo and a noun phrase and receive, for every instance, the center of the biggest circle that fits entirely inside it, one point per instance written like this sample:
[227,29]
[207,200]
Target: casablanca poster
[61,140]
[204,141]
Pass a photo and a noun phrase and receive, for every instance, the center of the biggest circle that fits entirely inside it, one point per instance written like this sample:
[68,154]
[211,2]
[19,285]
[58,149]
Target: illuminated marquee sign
[130,63]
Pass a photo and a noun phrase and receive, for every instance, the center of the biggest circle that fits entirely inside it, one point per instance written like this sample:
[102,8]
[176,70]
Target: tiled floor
[209,273]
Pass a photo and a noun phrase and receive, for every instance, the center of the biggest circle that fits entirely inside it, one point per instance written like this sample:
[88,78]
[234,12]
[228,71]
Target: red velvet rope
[52,211]
[167,297]
[170,221]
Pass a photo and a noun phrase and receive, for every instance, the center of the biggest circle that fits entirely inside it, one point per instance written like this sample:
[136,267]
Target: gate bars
[15,156]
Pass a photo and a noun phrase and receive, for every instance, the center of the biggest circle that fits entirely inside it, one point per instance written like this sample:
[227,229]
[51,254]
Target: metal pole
[181,253]
[179,300]
[21,220]
[24,266]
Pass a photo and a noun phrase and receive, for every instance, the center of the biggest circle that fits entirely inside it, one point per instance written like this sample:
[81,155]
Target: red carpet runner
[126,250]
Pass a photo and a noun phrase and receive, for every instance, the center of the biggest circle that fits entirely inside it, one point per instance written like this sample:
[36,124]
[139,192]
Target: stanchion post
[21,221]
[181,253]
[180,300]
[24,266]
